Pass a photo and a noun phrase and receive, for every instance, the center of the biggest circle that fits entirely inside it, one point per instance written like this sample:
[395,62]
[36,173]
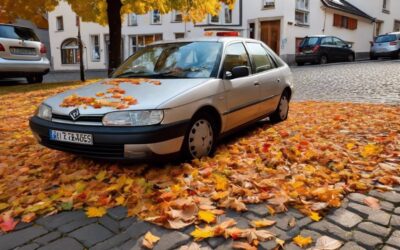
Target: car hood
[149,95]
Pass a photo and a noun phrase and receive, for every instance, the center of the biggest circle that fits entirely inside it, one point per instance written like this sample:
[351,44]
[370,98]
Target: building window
[345,22]
[155,17]
[214,19]
[70,51]
[60,23]
[132,19]
[386,6]
[228,15]
[268,4]
[177,16]
[138,42]
[302,12]
[396,27]
[95,46]
[179,35]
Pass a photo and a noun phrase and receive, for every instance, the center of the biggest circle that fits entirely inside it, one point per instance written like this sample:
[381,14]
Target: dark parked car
[323,49]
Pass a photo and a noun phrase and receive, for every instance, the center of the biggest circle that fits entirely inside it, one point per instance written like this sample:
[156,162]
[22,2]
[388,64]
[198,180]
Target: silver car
[22,54]
[169,98]
[387,45]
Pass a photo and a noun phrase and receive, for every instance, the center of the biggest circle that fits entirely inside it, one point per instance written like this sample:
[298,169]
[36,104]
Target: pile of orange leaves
[114,97]
[310,162]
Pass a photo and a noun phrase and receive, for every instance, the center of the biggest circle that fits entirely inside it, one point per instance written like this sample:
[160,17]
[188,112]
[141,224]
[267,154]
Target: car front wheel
[35,78]
[282,111]
[350,58]
[200,139]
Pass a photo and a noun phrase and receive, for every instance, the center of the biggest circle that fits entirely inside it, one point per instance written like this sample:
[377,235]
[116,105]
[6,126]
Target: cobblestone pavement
[367,81]
[356,225]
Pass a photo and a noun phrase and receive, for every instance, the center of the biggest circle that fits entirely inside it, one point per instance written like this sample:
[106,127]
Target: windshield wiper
[130,74]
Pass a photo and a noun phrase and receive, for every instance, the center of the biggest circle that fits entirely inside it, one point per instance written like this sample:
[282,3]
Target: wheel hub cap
[201,139]
[283,107]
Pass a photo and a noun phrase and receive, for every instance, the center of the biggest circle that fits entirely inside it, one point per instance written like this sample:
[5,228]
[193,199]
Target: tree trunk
[114,23]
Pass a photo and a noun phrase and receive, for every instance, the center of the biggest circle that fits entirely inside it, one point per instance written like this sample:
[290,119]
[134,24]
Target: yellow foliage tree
[110,12]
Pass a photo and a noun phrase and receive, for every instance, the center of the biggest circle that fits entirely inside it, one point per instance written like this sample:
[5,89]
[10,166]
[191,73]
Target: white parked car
[169,98]
[22,54]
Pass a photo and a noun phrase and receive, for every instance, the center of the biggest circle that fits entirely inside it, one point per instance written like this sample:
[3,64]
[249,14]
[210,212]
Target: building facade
[281,24]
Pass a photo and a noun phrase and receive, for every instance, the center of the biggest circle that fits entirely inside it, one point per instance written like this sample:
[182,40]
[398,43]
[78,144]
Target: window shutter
[353,23]
[337,20]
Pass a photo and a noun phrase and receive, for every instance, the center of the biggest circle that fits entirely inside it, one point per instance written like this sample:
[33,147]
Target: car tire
[37,78]
[300,64]
[201,136]
[351,58]
[282,111]
[373,58]
[323,59]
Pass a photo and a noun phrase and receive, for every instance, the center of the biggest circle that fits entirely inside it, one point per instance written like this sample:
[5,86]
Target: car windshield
[173,60]
[20,33]
[309,41]
[385,39]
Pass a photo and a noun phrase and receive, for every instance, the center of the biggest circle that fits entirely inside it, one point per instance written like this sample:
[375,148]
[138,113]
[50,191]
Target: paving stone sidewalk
[355,224]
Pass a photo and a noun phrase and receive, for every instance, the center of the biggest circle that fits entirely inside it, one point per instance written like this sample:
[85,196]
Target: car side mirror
[237,72]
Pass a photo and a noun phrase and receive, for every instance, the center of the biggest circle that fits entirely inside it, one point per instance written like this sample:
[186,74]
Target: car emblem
[75,114]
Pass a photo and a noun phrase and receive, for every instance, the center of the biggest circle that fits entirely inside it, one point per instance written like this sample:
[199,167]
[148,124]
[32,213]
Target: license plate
[71,137]
[22,51]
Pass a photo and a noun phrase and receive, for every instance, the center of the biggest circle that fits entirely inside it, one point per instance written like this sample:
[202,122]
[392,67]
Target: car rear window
[20,33]
[386,38]
[309,41]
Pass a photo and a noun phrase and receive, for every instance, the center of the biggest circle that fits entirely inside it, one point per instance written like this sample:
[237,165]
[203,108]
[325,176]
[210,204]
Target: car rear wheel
[200,139]
[282,111]
[350,58]
[37,78]
[323,59]
[300,64]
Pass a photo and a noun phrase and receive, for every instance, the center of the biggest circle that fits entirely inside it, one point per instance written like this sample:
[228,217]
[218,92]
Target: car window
[19,33]
[327,41]
[260,58]
[235,55]
[338,42]
[309,41]
[385,38]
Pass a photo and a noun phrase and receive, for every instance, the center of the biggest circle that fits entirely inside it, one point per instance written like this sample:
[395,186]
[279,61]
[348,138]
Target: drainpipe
[323,28]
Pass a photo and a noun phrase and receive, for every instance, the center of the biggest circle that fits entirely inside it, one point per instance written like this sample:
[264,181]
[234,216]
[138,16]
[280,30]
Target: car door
[341,50]
[328,47]
[267,75]
[242,94]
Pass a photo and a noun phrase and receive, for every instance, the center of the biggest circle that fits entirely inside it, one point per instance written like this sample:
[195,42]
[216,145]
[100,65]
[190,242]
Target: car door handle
[256,83]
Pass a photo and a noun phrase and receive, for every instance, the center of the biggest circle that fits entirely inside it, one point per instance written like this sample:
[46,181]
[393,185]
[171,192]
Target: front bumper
[116,142]
[16,68]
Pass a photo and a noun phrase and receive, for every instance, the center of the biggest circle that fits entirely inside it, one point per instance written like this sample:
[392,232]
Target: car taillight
[393,43]
[43,49]
[2,47]
[228,33]
[316,48]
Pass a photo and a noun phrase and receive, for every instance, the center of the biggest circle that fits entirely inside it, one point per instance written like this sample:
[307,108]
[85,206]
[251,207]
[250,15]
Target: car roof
[225,39]
[13,25]
[318,36]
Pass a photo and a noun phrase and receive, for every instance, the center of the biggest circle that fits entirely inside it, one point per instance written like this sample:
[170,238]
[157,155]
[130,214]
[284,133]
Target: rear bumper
[116,142]
[384,53]
[305,58]
[17,68]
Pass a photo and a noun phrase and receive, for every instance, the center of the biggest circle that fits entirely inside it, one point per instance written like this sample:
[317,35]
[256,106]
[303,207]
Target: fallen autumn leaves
[311,161]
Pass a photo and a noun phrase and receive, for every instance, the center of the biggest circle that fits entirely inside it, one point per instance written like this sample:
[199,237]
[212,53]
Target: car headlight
[44,112]
[133,118]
